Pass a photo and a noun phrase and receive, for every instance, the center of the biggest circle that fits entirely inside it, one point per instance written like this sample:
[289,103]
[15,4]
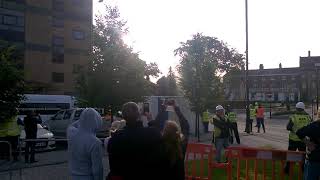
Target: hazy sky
[279,30]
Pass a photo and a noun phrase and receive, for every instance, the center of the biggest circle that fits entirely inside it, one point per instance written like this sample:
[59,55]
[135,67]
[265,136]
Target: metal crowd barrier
[21,171]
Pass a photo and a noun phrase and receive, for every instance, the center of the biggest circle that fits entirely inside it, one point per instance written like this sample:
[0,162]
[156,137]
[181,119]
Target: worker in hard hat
[221,132]
[232,118]
[297,121]
[310,135]
[205,120]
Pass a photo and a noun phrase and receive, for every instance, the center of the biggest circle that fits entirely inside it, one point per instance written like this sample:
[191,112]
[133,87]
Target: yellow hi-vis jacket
[205,116]
[232,117]
[299,121]
[252,113]
[9,127]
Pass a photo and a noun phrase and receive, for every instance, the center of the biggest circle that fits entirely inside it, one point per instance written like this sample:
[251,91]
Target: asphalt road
[276,135]
[54,165]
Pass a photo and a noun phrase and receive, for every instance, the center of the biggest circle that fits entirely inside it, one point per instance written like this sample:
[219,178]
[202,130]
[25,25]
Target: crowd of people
[142,148]
[135,152]
[157,150]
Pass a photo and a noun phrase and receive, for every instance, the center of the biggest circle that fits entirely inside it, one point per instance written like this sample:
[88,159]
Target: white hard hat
[219,107]
[300,105]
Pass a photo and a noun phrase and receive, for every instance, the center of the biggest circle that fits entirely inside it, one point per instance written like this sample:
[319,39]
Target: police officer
[232,118]
[221,132]
[205,120]
[297,121]
[10,132]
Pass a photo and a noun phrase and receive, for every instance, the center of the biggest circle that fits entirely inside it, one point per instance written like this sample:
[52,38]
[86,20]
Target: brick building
[277,84]
[54,36]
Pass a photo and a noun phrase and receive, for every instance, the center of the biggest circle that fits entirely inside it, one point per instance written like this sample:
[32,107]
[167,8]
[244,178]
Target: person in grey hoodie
[84,148]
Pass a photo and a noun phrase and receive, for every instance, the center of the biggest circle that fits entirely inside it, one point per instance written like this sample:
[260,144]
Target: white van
[46,105]
[59,123]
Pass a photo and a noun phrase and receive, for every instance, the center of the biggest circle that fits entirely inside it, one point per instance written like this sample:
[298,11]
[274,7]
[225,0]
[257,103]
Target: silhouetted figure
[31,128]
[136,152]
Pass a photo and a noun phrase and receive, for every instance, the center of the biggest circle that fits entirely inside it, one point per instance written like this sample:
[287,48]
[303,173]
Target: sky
[280,31]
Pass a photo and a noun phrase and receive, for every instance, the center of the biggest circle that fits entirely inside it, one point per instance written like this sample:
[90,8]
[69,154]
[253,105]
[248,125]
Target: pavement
[53,165]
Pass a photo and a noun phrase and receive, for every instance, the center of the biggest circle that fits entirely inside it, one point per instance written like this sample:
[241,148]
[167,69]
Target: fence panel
[245,164]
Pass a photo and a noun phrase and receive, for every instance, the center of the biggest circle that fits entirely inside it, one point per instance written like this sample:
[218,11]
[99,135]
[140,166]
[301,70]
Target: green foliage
[11,79]
[116,74]
[203,60]
[167,85]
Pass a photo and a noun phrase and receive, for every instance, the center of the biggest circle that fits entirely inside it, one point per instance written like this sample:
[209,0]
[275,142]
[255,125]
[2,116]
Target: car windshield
[77,114]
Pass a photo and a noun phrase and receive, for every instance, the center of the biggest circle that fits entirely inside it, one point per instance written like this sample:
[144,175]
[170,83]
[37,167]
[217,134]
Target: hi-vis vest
[216,130]
[205,116]
[252,113]
[299,121]
[232,117]
[10,127]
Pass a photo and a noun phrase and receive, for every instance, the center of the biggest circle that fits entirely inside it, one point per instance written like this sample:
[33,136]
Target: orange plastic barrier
[203,154]
[265,155]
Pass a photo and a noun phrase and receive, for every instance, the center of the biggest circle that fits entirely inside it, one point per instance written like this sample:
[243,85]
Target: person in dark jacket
[31,129]
[172,139]
[310,134]
[136,152]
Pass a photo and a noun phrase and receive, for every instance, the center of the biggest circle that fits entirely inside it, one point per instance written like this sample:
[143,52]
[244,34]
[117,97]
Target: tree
[172,83]
[11,79]
[163,86]
[152,69]
[203,60]
[116,74]
[167,85]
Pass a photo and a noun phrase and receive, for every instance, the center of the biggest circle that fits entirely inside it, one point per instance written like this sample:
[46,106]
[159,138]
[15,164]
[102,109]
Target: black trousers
[234,129]
[14,146]
[205,125]
[30,150]
[261,123]
[294,146]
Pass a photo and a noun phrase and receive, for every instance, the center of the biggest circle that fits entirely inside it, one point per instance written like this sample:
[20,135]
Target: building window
[80,3]
[76,68]
[78,34]
[58,5]
[57,49]
[9,20]
[57,22]
[304,86]
[10,4]
[57,77]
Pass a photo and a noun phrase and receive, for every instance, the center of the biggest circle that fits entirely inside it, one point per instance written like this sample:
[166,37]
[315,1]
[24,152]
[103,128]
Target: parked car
[42,134]
[59,123]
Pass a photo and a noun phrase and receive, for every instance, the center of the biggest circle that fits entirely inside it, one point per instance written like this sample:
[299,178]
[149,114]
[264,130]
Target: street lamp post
[317,65]
[247,63]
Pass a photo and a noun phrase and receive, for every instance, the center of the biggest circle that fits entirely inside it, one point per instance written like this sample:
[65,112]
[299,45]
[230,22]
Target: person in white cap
[221,132]
[297,121]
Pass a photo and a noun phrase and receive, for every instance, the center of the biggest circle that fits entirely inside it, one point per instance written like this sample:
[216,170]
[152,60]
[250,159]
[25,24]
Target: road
[276,135]
[53,165]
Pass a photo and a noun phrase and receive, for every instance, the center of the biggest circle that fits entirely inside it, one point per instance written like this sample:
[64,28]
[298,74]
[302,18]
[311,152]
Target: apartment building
[55,37]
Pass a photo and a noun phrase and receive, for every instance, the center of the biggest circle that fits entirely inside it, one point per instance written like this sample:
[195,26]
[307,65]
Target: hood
[90,121]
